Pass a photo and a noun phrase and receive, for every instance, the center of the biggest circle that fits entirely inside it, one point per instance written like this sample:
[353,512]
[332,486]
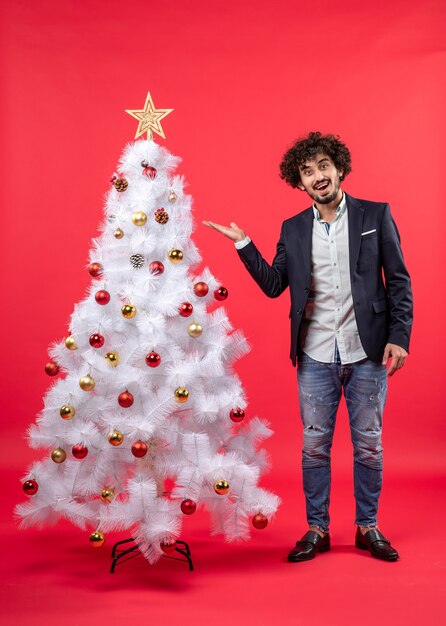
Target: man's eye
[324,166]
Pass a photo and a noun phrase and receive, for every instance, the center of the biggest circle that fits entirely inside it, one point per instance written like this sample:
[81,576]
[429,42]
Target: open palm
[232,231]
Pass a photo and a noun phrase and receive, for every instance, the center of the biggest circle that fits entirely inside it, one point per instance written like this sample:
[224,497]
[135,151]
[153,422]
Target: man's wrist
[242,243]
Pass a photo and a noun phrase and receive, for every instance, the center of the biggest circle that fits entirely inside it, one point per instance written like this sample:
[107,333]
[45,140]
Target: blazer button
[307,290]
[299,311]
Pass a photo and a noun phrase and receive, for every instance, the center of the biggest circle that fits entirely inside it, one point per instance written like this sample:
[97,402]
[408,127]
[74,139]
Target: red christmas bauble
[96,340]
[200,289]
[185,309]
[221,293]
[260,521]
[156,267]
[150,172]
[30,487]
[188,507]
[237,414]
[52,369]
[79,451]
[153,359]
[139,449]
[125,399]
[102,297]
[95,270]
[169,545]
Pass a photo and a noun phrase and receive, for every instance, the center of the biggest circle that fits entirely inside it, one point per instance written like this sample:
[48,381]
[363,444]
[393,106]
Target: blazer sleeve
[398,283]
[272,279]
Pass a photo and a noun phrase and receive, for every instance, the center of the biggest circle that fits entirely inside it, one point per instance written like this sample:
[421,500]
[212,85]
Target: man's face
[320,179]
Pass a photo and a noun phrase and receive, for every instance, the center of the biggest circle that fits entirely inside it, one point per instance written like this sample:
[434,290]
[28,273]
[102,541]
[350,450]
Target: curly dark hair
[306,148]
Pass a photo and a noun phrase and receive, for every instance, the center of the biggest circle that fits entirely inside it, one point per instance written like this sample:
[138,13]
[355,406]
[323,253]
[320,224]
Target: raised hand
[232,231]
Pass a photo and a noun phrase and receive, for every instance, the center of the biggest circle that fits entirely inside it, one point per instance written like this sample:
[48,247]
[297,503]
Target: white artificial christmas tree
[148,391]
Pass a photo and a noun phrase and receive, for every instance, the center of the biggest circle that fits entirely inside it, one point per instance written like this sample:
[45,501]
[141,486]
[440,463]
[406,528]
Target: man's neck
[328,211]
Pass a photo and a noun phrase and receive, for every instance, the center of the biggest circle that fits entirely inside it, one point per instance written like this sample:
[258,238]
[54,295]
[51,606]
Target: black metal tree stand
[120,555]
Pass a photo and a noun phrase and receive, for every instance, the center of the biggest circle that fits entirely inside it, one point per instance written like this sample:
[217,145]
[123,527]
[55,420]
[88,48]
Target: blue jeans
[320,390]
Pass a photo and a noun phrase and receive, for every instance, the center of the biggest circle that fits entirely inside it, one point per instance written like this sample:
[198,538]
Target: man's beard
[327,199]
[331,196]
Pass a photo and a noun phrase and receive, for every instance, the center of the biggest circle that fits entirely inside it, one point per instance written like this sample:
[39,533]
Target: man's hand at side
[397,354]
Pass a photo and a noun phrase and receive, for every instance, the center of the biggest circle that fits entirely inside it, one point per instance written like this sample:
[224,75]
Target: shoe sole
[309,558]
[361,546]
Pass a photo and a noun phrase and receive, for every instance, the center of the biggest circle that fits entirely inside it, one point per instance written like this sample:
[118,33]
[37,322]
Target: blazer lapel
[355,213]
[306,238]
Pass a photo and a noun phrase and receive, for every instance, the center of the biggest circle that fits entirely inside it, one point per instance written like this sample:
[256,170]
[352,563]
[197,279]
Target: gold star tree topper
[149,119]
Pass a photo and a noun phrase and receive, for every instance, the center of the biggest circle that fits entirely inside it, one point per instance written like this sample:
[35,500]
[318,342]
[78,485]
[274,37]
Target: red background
[245,80]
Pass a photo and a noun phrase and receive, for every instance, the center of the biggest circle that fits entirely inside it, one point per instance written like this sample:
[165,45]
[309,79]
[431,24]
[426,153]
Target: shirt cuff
[241,244]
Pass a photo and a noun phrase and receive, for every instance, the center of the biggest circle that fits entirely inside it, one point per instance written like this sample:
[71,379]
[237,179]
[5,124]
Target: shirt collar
[339,211]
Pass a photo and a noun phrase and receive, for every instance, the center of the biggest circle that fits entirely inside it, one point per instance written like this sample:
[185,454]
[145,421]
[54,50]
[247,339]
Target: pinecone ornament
[120,184]
[137,260]
[161,216]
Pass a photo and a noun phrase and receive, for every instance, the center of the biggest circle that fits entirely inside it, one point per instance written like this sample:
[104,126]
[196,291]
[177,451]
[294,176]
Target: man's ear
[301,187]
[341,174]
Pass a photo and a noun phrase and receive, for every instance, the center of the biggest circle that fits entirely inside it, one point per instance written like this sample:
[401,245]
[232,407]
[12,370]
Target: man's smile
[322,185]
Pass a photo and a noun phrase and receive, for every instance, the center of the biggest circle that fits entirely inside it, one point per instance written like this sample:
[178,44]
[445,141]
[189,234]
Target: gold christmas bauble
[181,394]
[175,255]
[139,218]
[67,412]
[195,329]
[221,487]
[107,494]
[115,437]
[172,197]
[97,539]
[58,455]
[119,233]
[87,383]
[70,343]
[128,311]
[112,358]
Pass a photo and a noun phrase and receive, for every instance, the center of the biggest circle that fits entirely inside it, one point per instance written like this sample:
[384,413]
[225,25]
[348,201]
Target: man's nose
[319,175]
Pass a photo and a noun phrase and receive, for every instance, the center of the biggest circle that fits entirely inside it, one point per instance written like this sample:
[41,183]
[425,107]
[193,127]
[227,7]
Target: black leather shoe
[310,544]
[375,542]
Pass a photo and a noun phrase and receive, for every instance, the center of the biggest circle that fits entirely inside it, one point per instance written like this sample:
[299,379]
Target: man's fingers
[397,364]
[393,367]
[211,224]
[400,362]
[386,355]
[230,232]
[222,229]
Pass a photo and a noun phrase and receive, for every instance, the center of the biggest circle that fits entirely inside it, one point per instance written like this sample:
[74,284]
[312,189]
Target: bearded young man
[348,324]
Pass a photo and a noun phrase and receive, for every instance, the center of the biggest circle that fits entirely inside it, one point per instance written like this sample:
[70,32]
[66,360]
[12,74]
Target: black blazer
[383,307]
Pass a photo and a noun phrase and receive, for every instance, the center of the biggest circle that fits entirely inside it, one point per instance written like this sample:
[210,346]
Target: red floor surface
[53,576]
